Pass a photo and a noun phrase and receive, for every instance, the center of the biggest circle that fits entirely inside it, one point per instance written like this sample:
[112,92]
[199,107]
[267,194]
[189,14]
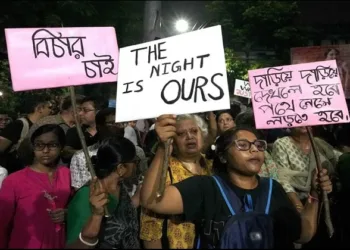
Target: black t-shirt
[13,131]
[204,205]
[72,138]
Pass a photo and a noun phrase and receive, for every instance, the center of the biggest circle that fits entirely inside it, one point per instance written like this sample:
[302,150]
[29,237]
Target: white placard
[178,75]
[242,88]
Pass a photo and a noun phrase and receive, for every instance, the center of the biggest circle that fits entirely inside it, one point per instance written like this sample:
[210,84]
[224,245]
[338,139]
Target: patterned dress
[294,165]
[180,235]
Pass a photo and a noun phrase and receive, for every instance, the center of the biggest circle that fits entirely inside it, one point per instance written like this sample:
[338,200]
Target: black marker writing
[289,120]
[330,115]
[314,103]
[270,78]
[59,44]
[279,93]
[278,109]
[197,88]
[91,73]
[326,89]
[319,71]
[178,66]
[138,84]
[137,54]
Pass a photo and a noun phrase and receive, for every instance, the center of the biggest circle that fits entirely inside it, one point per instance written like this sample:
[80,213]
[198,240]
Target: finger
[323,172]
[93,185]
[101,203]
[169,135]
[166,122]
[101,187]
[324,178]
[166,116]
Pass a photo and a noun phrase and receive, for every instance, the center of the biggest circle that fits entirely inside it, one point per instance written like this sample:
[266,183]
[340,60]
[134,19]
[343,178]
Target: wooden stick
[82,139]
[164,170]
[325,199]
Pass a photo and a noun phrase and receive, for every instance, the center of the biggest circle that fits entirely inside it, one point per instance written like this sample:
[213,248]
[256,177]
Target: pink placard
[60,57]
[298,95]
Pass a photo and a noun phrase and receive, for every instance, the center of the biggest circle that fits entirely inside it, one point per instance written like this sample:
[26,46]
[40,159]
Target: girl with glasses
[33,200]
[240,154]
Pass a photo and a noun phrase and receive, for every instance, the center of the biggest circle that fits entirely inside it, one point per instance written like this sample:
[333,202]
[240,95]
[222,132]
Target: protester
[199,199]
[131,133]
[186,161]
[106,128]
[4,120]
[3,174]
[269,167]
[225,120]
[65,119]
[11,137]
[87,113]
[86,225]
[33,200]
[295,159]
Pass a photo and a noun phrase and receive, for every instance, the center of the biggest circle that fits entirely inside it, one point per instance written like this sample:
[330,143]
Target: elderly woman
[189,132]
[114,163]
[200,198]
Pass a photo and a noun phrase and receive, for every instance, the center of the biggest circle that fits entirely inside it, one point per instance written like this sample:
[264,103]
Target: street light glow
[1,94]
[181,25]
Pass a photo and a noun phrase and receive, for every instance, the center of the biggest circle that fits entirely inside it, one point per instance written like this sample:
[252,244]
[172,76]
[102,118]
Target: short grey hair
[202,125]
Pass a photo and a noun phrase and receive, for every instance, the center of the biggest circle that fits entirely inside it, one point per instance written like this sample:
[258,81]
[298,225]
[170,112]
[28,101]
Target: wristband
[87,243]
[311,198]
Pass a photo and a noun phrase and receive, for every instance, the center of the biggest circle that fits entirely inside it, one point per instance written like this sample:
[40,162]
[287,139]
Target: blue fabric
[252,228]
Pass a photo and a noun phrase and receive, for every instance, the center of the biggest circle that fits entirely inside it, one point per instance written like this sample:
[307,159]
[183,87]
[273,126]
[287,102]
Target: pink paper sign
[60,57]
[298,95]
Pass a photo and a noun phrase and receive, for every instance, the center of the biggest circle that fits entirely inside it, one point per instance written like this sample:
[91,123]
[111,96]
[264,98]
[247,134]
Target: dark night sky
[192,11]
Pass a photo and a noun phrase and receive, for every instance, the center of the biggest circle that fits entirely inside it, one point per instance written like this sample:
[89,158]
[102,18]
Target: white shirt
[130,133]
[3,174]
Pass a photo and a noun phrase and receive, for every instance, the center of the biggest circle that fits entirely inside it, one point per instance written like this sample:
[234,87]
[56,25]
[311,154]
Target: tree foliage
[125,16]
[249,25]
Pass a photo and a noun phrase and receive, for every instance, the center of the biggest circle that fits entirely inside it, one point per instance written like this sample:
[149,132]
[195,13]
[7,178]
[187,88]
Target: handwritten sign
[242,88]
[60,57]
[176,75]
[298,95]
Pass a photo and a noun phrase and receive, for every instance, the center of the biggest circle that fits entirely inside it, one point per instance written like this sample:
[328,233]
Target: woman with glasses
[87,227]
[190,133]
[33,200]
[199,199]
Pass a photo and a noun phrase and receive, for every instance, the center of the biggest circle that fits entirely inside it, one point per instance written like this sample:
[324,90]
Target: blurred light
[181,25]
[1,94]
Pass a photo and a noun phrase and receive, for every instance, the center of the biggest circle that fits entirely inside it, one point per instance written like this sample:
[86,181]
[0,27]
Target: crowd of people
[219,168]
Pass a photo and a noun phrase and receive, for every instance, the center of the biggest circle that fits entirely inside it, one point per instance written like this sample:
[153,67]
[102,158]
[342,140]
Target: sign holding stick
[43,58]
[242,88]
[177,75]
[298,95]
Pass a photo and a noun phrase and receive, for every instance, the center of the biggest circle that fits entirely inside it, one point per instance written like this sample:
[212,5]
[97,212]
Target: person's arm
[80,219]
[7,209]
[10,135]
[310,211]
[280,156]
[171,201]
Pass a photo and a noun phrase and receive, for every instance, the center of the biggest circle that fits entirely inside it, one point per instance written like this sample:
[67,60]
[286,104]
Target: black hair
[67,102]
[329,50]
[245,119]
[112,152]
[102,115]
[224,141]
[94,101]
[56,129]
[34,100]
[342,135]
[231,112]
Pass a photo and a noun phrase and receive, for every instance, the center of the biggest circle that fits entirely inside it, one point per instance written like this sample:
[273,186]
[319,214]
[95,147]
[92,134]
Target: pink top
[23,204]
